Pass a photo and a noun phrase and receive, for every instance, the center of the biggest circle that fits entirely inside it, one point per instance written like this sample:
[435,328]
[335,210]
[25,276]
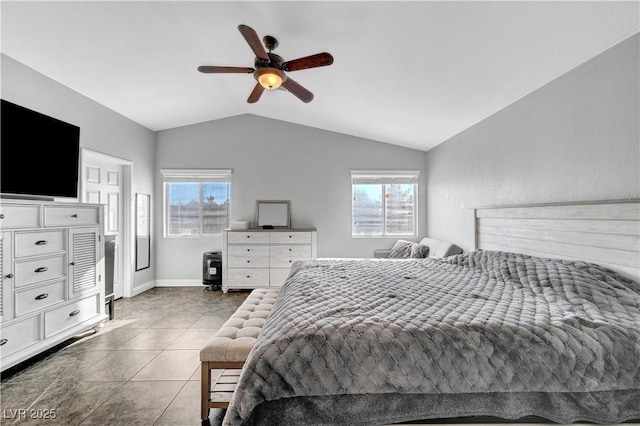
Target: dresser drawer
[248,250]
[248,256]
[41,269]
[37,298]
[71,215]
[278,276]
[249,278]
[40,242]
[19,335]
[71,314]
[284,256]
[290,237]
[248,237]
[18,216]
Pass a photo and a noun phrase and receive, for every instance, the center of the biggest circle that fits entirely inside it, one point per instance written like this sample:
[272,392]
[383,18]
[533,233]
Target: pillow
[403,249]
[419,251]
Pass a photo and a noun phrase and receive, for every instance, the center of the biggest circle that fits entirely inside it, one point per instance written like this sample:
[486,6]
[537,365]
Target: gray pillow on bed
[403,249]
[419,251]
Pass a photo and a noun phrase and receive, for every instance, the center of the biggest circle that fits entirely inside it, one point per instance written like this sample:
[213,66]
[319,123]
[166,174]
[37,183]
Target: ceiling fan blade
[255,44]
[313,61]
[298,91]
[255,94]
[220,70]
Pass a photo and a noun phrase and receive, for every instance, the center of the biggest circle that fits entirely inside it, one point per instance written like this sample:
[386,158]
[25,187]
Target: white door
[103,180]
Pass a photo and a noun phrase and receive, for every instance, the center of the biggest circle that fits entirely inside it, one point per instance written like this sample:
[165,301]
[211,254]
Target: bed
[495,332]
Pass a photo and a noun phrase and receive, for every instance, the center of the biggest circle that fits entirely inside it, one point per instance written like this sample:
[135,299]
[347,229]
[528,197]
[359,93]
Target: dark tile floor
[141,368]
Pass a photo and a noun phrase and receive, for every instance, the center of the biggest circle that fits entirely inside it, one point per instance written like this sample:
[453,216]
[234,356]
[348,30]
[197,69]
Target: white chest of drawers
[51,272]
[257,258]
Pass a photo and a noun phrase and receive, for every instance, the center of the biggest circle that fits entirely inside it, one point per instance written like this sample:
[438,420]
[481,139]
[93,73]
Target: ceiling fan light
[270,78]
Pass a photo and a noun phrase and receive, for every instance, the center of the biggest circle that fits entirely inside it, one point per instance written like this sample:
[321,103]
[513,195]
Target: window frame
[200,176]
[383,178]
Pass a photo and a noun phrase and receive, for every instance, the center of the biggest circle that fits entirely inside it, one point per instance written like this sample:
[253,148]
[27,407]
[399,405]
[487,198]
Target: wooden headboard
[602,232]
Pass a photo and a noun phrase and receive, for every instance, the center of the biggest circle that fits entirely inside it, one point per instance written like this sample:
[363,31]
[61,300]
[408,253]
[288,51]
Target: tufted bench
[230,346]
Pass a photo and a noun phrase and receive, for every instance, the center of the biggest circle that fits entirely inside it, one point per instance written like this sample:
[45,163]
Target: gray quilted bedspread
[480,322]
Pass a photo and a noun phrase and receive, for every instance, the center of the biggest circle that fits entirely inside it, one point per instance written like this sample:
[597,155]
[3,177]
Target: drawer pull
[42,296]
[248,236]
[290,236]
[9,276]
[248,249]
[248,261]
[73,264]
[3,341]
[248,276]
[289,249]
[290,261]
[42,269]
[42,242]
[2,217]
[75,215]
[74,313]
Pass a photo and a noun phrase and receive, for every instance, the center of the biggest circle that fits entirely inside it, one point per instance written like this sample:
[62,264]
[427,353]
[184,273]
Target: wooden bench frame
[218,393]
[225,392]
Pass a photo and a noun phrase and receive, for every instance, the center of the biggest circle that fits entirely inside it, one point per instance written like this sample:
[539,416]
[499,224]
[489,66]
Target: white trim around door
[127,237]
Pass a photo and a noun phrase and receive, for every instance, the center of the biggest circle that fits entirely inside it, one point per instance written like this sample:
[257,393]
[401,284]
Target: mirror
[143,231]
[273,213]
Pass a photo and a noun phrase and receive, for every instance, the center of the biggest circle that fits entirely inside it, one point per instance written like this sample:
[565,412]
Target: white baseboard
[165,283]
[179,283]
[142,288]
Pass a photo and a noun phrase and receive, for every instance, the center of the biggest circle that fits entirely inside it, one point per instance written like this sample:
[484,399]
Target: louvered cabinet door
[83,258]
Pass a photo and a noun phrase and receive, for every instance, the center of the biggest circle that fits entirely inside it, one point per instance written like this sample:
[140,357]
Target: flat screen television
[39,154]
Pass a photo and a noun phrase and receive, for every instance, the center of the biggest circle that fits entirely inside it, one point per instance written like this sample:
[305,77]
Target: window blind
[196,175]
[363,177]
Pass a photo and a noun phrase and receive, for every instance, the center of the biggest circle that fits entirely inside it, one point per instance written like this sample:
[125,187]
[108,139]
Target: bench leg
[206,391]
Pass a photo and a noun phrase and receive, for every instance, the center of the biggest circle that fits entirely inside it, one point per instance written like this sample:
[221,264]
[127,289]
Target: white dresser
[256,258]
[52,275]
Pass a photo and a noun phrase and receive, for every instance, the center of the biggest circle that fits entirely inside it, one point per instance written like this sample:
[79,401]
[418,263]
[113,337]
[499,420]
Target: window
[197,203]
[384,203]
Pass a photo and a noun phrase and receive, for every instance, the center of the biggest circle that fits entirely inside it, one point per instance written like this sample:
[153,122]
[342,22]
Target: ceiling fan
[270,69]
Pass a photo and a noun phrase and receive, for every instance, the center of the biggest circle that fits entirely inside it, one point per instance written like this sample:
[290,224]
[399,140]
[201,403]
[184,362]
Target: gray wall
[101,129]
[575,139]
[272,159]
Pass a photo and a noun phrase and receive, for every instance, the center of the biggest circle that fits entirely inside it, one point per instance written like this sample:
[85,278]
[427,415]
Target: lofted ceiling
[409,73]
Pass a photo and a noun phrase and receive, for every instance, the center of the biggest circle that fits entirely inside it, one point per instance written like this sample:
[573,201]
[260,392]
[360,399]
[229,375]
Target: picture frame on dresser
[273,214]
